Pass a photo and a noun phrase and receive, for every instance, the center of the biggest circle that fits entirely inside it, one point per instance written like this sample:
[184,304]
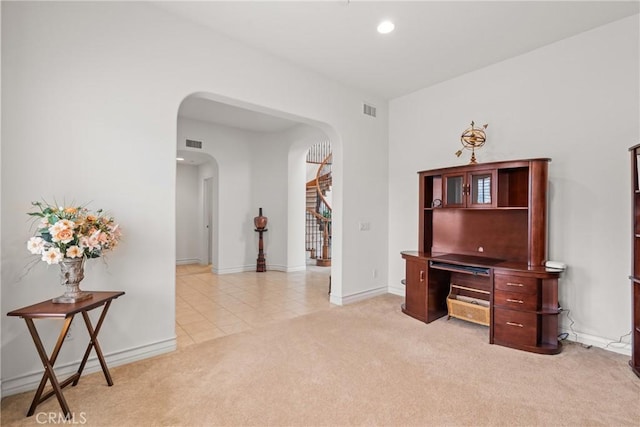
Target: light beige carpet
[362,364]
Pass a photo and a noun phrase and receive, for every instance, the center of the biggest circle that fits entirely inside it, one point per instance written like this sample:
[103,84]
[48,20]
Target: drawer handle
[519,325]
[515,284]
[421,276]
[519,301]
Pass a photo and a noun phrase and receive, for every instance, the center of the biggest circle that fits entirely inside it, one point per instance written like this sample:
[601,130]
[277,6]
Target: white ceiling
[434,40]
[228,115]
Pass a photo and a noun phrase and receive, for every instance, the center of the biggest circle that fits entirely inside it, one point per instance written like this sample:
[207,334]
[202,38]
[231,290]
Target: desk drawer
[515,300]
[515,327]
[520,284]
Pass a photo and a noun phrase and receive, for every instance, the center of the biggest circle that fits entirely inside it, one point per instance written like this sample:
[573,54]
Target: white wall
[188,214]
[575,101]
[90,95]
[1,378]
[269,158]
[231,149]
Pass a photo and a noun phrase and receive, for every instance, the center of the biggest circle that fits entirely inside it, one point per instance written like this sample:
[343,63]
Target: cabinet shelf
[550,312]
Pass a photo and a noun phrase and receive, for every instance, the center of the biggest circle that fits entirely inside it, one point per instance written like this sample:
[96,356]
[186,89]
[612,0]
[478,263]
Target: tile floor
[210,306]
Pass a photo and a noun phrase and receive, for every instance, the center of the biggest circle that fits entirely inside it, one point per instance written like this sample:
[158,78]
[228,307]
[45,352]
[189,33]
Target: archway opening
[255,158]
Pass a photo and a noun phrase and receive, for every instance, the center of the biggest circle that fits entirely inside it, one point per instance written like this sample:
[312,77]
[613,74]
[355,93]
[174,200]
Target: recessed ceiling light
[180,159]
[386,27]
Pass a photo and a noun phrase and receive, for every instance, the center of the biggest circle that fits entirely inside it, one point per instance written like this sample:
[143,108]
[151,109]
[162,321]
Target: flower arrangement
[71,232]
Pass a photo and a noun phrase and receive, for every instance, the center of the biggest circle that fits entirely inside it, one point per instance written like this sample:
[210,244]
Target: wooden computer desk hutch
[482,248]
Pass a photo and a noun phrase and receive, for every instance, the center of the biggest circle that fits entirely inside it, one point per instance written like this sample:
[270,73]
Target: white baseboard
[595,341]
[247,268]
[30,381]
[188,261]
[335,299]
[284,268]
[231,270]
[358,296]
[397,290]
[298,268]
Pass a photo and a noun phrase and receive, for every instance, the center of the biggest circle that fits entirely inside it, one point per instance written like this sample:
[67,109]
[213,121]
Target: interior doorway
[207,201]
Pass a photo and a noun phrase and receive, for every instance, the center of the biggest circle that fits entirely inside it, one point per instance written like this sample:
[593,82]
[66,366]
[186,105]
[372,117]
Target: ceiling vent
[369,110]
[194,144]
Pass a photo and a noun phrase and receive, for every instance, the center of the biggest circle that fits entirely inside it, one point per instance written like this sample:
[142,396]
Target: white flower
[64,235]
[55,228]
[62,231]
[66,223]
[36,245]
[52,256]
[74,252]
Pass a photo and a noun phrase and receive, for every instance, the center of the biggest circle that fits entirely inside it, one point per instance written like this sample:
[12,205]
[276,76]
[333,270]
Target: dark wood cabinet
[635,259]
[474,189]
[526,311]
[483,232]
[416,284]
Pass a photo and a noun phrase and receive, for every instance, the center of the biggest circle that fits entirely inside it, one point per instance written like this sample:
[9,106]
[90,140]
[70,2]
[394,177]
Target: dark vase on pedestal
[261,223]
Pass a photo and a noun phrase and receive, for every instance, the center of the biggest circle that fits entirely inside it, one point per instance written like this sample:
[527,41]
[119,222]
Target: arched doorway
[253,169]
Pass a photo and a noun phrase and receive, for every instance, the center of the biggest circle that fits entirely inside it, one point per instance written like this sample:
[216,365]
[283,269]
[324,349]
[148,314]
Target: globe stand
[473,160]
[471,139]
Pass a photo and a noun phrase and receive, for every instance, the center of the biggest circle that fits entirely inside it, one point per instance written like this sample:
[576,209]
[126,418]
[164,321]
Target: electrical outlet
[375,273]
[364,226]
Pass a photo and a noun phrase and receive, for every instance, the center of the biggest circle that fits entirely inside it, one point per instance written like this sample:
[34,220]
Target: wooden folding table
[47,310]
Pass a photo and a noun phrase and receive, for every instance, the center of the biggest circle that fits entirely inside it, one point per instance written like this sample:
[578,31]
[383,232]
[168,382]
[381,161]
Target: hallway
[209,306]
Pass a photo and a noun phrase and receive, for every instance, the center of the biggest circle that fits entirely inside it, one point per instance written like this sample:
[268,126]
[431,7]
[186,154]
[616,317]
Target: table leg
[93,343]
[48,367]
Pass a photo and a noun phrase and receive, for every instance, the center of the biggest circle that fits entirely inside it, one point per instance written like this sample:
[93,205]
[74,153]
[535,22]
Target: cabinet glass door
[480,189]
[454,190]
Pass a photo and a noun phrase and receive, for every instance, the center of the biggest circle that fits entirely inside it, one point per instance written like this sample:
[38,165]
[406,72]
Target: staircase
[318,209]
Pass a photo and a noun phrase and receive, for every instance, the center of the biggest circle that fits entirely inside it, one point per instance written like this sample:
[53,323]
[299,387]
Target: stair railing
[319,152]
[323,179]
[325,224]
[323,211]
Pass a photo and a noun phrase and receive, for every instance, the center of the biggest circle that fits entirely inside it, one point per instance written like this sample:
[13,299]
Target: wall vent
[194,144]
[369,110]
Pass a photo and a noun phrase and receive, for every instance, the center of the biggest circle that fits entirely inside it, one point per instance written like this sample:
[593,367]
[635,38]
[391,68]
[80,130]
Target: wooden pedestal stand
[261,223]
[262,262]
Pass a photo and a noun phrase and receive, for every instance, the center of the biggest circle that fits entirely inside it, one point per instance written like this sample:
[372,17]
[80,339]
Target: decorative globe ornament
[472,138]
